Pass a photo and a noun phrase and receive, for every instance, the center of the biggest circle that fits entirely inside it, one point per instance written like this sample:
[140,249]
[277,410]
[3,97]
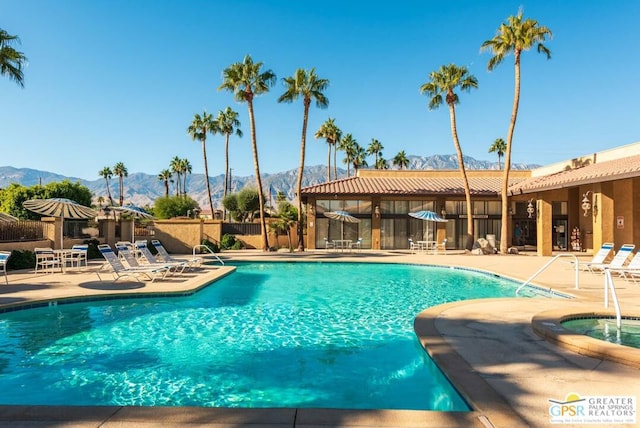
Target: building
[572,205]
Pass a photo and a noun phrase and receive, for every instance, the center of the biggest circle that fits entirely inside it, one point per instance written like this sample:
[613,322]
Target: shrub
[21,260]
[227,242]
[211,245]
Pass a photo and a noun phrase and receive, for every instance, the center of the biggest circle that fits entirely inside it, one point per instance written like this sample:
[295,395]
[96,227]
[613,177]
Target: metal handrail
[539,271]
[608,285]
[209,250]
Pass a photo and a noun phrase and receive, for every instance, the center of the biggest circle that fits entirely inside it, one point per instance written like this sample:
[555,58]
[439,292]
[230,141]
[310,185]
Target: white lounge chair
[631,270]
[357,245]
[4,259]
[599,257]
[149,259]
[164,256]
[119,270]
[617,262]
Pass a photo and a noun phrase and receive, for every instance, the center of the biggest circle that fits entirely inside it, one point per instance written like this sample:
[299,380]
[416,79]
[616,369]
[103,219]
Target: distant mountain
[142,189]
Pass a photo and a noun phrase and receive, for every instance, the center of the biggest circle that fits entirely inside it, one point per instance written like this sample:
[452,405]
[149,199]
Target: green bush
[93,252]
[227,242]
[20,259]
[211,245]
[237,245]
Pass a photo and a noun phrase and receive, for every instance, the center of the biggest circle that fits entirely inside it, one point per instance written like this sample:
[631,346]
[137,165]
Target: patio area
[488,348]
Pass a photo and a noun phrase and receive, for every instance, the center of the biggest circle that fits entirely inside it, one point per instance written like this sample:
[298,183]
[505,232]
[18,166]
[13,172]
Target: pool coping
[548,325]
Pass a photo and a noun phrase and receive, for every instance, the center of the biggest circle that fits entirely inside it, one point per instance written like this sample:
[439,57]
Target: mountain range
[142,189]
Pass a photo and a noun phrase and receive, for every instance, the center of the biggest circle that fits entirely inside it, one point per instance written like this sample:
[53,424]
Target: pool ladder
[195,247]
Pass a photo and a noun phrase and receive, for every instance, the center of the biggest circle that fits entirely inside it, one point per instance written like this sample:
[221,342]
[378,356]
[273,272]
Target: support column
[375,223]
[544,224]
[603,215]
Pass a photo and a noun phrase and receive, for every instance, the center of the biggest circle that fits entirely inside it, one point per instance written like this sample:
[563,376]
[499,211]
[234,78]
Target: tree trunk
[507,159]
[303,143]
[335,163]
[463,173]
[226,172]
[329,161]
[206,174]
[256,165]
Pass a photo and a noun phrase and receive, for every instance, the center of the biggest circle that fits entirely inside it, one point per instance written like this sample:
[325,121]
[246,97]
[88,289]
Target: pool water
[323,335]
[605,329]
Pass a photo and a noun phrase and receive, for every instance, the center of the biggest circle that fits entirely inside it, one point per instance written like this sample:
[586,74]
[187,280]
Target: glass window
[364,207]
[323,205]
[401,207]
[494,207]
[386,207]
[386,234]
[559,208]
[350,207]
[479,207]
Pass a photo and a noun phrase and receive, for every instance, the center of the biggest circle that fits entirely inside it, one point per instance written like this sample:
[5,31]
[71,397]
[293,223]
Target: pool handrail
[608,285]
[209,250]
[539,271]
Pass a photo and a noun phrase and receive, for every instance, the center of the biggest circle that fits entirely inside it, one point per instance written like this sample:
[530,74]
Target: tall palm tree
[514,36]
[444,82]
[11,61]
[348,145]
[165,176]
[176,168]
[400,160]
[121,171]
[106,173]
[185,169]
[375,147]
[227,124]
[382,163]
[498,146]
[308,86]
[198,130]
[359,158]
[331,134]
[246,80]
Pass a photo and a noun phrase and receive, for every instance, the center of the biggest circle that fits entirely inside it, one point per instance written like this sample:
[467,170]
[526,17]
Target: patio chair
[120,271]
[46,260]
[631,270]
[4,259]
[441,247]
[413,247]
[617,262]
[79,255]
[357,245]
[328,245]
[164,256]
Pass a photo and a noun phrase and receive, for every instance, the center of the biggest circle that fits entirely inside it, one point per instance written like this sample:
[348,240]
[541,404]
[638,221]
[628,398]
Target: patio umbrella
[7,218]
[342,217]
[428,216]
[59,207]
[133,211]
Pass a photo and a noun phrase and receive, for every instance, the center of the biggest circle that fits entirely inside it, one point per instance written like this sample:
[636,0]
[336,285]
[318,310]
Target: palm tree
[359,157]
[400,160]
[227,124]
[200,126]
[332,134]
[348,145]
[185,168]
[444,82]
[165,176]
[11,60]
[121,171]
[381,163]
[309,87]
[176,168]
[106,173]
[516,35]
[246,80]
[498,147]
[375,147]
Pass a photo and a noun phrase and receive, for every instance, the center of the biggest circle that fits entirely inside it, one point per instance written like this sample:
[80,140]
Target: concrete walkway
[488,348]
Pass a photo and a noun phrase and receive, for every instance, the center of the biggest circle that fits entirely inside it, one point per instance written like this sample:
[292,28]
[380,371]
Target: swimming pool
[604,328]
[327,335]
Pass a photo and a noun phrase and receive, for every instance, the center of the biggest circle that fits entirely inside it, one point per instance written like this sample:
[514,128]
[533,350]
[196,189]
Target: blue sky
[120,80]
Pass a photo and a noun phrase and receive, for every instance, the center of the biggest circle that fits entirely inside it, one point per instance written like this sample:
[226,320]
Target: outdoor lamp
[530,209]
[443,212]
[376,211]
[586,204]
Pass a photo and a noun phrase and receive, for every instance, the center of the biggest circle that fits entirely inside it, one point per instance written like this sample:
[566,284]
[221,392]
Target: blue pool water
[269,335]
[605,329]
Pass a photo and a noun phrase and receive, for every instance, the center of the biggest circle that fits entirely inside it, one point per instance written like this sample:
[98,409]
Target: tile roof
[480,186]
[617,169]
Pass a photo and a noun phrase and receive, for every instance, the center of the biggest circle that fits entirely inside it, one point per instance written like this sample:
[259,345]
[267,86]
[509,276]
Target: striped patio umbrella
[7,218]
[59,207]
[428,216]
[342,217]
[133,211]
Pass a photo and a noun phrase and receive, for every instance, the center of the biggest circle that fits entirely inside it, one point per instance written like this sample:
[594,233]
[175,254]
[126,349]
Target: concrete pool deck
[488,348]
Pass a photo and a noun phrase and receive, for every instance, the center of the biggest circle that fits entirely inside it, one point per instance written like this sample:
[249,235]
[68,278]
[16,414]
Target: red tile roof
[617,169]
[480,186]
